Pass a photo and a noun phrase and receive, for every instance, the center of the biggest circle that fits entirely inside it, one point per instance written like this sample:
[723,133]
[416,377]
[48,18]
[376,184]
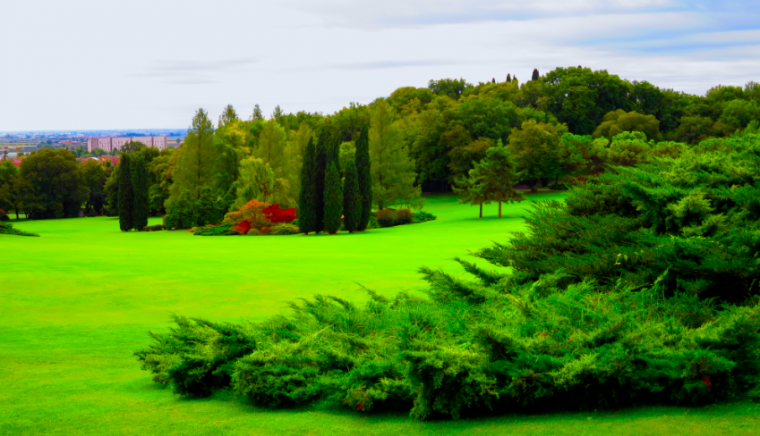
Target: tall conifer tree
[140,191]
[535,74]
[319,178]
[126,195]
[352,199]
[364,178]
[307,218]
[333,199]
[197,157]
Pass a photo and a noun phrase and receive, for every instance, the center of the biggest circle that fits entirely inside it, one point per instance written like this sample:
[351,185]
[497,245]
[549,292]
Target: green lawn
[76,302]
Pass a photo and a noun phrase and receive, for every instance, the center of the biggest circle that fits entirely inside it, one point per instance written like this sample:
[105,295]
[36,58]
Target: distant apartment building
[109,144]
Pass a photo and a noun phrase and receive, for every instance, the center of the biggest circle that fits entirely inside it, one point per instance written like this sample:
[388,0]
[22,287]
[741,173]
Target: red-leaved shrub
[277,215]
[253,212]
[243,227]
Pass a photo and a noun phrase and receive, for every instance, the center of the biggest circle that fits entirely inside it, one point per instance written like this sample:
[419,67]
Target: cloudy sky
[106,64]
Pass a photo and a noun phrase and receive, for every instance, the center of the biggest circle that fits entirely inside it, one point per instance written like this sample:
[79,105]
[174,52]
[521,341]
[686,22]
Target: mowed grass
[76,302]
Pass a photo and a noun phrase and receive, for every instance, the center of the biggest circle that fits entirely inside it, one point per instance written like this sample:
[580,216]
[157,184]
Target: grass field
[76,302]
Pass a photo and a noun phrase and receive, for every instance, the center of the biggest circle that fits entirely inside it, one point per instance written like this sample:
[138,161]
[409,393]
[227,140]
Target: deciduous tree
[392,169]
[534,149]
[491,180]
[619,121]
[58,188]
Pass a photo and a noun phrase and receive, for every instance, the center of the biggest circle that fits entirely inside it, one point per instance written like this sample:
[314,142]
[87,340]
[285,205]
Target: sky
[106,64]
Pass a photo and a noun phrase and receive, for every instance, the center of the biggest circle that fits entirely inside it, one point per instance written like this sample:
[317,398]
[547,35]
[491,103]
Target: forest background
[566,124]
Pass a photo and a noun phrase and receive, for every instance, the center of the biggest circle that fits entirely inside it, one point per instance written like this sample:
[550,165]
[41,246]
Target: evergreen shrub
[640,289]
[211,230]
[155,228]
[253,232]
[386,217]
[7,229]
[372,223]
[285,229]
[181,213]
[422,216]
[197,356]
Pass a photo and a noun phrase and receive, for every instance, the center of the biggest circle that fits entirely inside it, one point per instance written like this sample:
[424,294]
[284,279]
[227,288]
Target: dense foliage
[569,123]
[641,288]
[126,195]
[352,199]
[7,229]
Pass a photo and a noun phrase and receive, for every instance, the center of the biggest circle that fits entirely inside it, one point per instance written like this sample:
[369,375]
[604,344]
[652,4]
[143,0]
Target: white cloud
[104,64]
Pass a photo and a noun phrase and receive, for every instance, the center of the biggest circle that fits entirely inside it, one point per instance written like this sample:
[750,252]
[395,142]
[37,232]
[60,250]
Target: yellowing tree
[620,121]
[392,169]
[271,147]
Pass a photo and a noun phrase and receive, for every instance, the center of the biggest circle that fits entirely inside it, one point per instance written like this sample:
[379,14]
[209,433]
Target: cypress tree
[333,199]
[319,183]
[535,74]
[197,158]
[140,192]
[307,218]
[126,195]
[352,204]
[509,77]
[363,177]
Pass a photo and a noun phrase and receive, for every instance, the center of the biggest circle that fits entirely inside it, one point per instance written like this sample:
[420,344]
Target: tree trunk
[500,209]
[481,211]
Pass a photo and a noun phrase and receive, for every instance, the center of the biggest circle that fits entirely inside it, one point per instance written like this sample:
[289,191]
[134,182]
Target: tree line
[570,123]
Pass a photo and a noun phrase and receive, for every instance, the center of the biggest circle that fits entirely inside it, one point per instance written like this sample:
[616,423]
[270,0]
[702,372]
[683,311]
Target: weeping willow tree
[257,181]
[641,288]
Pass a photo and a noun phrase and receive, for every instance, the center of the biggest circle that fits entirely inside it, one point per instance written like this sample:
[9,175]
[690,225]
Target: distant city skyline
[140,65]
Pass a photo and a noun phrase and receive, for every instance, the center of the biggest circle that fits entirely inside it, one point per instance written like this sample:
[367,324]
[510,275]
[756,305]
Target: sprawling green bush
[284,229]
[696,216]
[198,356]
[7,229]
[640,289]
[422,216]
[220,230]
[472,345]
